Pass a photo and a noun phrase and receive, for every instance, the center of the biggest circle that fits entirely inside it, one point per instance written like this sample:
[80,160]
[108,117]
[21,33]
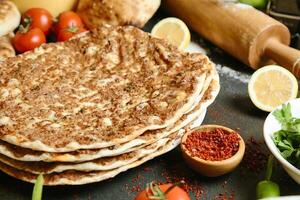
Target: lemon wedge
[173,30]
[272,86]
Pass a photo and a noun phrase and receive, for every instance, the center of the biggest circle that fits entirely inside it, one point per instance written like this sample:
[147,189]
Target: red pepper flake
[136,188]
[175,174]
[255,157]
[147,169]
[135,185]
[137,178]
[225,196]
[213,145]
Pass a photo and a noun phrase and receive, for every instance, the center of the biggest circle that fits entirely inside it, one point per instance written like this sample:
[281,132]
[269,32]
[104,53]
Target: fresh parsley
[287,139]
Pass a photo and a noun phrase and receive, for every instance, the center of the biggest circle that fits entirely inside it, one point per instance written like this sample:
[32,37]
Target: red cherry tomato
[66,20]
[28,40]
[66,34]
[174,194]
[38,18]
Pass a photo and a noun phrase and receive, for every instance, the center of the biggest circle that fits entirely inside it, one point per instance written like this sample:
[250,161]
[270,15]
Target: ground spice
[147,169]
[135,184]
[213,145]
[255,157]
[226,194]
[177,173]
[188,185]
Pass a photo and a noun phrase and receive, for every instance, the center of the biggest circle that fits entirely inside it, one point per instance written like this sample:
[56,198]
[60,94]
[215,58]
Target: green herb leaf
[282,146]
[287,153]
[283,115]
[38,188]
[287,139]
[298,154]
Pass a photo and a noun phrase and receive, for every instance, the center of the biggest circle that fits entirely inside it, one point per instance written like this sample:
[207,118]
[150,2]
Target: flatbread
[116,12]
[9,17]
[78,178]
[6,48]
[148,137]
[110,86]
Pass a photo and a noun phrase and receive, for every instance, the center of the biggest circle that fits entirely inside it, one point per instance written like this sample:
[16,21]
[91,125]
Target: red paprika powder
[213,145]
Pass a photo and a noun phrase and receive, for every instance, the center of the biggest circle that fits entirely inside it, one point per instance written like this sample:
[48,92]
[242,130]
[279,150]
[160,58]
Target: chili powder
[255,158]
[213,145]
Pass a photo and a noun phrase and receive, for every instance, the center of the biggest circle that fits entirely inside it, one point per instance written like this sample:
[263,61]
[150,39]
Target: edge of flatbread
[9,17]
[115,12]
[79,178]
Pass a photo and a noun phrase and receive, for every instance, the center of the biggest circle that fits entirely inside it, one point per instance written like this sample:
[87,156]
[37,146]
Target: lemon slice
[272,86]
[174,30]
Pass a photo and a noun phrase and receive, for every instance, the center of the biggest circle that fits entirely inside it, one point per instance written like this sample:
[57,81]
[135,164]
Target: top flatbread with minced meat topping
[102,88]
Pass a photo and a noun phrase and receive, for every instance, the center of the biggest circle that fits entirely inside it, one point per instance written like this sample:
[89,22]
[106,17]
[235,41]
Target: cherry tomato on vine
[26,40]
[66,34]
[163,192]
[38,18]
[67,20]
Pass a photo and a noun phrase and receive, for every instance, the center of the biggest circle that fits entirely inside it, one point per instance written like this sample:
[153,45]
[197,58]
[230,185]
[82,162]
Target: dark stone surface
[232,108]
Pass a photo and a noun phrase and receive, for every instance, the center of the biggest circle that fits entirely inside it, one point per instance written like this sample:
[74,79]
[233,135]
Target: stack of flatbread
[106,101]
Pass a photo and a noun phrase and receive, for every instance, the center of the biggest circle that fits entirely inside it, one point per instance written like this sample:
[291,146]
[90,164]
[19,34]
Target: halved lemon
[174,30]
[272,86]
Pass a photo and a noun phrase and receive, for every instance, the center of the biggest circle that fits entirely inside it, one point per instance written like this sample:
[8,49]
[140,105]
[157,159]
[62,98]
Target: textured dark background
[232,108]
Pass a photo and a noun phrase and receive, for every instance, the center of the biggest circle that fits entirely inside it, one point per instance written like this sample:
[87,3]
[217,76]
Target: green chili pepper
[38,188]
[267,188]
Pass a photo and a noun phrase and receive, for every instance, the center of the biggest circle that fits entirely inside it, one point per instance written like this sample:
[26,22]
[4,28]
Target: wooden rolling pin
[246,33]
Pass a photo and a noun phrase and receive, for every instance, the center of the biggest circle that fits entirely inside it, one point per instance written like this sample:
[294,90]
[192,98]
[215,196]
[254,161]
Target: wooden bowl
[213,168]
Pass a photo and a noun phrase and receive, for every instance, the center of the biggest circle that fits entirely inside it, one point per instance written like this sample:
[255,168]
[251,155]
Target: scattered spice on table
[227,194]
[135,184]
[217,116]
[213,145]
[136,188]
[176,173]
[137,178]
[172,175]
[147,169]
[255,157]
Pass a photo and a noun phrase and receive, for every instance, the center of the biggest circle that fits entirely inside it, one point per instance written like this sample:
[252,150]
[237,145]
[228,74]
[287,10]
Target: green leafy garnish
[287,139]
[38,188]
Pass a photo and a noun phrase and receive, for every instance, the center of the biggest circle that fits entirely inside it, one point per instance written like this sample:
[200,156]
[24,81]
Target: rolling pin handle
[284,55]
